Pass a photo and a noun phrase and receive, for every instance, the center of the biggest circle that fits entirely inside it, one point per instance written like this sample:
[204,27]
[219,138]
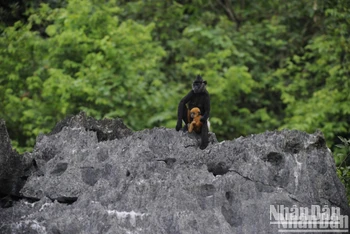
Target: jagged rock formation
[14,169]
[106,129]
[159,181]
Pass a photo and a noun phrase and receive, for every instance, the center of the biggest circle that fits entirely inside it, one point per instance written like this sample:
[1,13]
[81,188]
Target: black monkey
[197,97]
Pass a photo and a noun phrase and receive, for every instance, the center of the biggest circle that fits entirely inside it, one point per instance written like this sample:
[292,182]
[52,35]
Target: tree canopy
[269,64]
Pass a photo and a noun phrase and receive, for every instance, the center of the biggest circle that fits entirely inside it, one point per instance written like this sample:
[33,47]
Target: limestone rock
[14,168]
[159,181]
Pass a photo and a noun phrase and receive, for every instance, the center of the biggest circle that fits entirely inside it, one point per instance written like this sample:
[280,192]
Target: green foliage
[89,61]
[268,65]
[343,168]
[315,84]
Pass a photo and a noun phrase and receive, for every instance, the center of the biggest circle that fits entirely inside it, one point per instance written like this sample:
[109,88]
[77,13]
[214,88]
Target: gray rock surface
[106,129]
[159,181]
[14,169]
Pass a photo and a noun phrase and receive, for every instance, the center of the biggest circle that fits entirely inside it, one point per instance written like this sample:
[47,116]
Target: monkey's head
[199,84]
[195,112]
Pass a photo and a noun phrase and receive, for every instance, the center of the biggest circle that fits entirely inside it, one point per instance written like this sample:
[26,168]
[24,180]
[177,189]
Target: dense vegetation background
[269,64]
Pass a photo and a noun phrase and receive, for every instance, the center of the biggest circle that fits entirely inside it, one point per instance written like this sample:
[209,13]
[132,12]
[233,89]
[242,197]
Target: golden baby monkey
[196,123]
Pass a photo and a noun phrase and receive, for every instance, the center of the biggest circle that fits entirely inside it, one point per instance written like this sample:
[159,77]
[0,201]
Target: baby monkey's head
[195,112]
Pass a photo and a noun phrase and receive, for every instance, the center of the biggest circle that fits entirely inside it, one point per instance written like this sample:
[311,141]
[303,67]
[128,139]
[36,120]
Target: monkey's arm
[205,130]
[182,104]
[190,127]
[181,109]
